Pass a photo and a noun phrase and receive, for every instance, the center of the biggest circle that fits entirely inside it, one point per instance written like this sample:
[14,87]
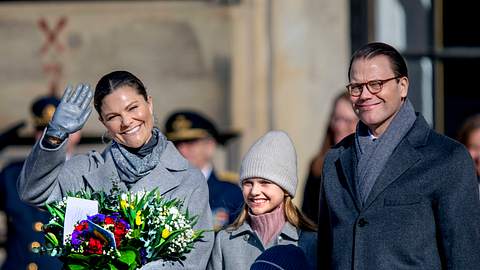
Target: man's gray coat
[47,177]
[423,211]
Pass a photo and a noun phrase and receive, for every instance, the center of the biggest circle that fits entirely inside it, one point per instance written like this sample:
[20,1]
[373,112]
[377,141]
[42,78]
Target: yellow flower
[123,204]
[165,233]
[138,218]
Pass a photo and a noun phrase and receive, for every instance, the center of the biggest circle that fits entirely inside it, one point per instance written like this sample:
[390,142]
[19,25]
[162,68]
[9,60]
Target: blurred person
[395,194]
[268,177]
[282,257]
[24,222]
[469,135]
[197,139]
[138,158]
[342,123]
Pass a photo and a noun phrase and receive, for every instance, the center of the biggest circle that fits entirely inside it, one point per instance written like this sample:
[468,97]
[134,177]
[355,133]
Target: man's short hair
[373,49]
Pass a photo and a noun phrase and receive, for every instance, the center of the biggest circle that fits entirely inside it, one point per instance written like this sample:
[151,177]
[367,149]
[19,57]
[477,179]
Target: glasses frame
[372,91]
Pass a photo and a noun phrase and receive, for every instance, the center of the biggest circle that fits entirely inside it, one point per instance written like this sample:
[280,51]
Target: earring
[105,138]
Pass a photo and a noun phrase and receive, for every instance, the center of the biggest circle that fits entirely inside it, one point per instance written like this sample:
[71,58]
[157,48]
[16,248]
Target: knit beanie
[272,157]
[281,257]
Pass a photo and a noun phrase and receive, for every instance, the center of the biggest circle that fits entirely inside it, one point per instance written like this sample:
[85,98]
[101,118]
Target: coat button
[37,226]
[362,222]
[280,239]
[32,266]
[34,245]
[246,237]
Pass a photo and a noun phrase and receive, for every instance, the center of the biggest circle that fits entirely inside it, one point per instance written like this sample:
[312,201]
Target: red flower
[109,220]
[119,232]
[94,246]
[81,226]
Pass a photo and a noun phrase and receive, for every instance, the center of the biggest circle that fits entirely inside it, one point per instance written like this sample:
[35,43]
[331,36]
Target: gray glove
[72,112]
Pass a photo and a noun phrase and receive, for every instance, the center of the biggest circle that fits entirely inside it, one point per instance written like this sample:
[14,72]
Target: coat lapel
[346,165]
[402,159]
[102,177]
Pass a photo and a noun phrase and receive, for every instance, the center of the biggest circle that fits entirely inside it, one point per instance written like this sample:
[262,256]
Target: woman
[138,158]
[342,123]
[268,177]
[469,135]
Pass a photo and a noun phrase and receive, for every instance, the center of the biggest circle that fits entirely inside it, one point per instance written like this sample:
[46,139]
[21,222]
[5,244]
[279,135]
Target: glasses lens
[375,86]
[355,89]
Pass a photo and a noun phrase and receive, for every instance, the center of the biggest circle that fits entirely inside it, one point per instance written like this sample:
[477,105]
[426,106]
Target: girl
[268,177]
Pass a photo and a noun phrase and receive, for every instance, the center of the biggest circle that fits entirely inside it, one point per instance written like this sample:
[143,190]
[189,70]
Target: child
[268,177]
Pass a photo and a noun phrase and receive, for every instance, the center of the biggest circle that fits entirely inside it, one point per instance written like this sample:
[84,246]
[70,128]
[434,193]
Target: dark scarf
[372,155]
[133,164]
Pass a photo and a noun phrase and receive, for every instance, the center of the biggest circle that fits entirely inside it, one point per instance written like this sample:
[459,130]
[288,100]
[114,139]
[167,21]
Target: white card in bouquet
[77,210]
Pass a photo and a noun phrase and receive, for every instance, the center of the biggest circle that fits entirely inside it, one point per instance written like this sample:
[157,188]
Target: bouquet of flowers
[130,230]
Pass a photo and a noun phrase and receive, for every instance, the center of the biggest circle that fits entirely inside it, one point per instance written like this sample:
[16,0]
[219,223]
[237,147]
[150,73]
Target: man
[396,194]
[196,138]
[24,222]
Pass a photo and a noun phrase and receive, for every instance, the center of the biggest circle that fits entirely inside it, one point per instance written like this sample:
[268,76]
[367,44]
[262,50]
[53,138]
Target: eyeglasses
[374,87]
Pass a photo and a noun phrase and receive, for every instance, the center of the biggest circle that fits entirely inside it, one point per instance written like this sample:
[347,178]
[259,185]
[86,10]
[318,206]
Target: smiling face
[127,116]
[377,110]
[262,196]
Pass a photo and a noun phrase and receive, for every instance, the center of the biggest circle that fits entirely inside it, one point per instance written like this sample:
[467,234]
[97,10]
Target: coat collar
[404,157]
[161,176]
[288,230]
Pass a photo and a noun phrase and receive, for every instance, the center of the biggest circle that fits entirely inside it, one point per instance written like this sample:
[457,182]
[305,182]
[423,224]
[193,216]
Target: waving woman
[138,158]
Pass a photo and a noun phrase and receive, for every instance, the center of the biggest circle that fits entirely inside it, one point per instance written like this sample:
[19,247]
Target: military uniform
[225,197]
[24,222]
[226,200]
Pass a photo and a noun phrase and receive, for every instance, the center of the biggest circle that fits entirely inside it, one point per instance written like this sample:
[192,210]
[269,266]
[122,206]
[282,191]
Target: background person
[24,222]
[139,157]
[342,123]
[469,135]
[197,139]
[268,176]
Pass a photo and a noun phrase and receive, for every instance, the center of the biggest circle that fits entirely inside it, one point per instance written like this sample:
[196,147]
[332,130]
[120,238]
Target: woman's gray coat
[238,249]
[47,177]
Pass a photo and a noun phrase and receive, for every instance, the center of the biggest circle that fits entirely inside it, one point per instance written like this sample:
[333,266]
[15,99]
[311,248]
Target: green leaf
[128,256]
[74,266]
[52,238]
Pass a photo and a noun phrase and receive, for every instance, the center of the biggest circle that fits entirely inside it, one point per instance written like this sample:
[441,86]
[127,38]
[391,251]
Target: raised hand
[72,112]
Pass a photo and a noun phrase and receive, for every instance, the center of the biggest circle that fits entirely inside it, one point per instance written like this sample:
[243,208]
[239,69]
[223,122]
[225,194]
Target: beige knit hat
[272,157]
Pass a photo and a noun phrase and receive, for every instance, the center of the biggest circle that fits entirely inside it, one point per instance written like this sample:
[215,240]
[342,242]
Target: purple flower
[143,255]
[77,240]
[97,219]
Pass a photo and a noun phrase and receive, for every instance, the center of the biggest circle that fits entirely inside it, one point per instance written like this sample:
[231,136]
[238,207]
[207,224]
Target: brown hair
[293,215]
[471,124]
[316,165]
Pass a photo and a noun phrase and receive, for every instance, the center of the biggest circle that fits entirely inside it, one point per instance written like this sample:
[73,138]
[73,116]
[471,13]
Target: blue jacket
[23,224]
[422,213]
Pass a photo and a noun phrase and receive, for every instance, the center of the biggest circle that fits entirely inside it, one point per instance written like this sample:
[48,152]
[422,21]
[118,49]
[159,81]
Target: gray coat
[46,177]
[422,213]
[238,249]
